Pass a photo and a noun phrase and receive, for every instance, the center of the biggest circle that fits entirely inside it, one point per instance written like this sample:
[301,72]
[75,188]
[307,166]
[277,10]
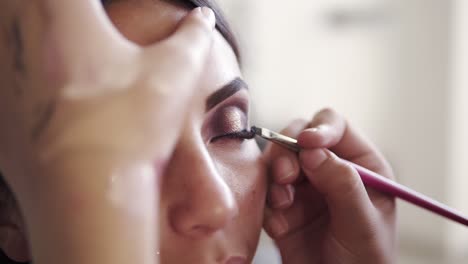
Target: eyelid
[240,99]
[227,120]
[215,121]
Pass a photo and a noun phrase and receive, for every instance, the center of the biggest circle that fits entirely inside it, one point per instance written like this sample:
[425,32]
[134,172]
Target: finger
[341,186]
[172,80]
[280,224]
[330,130]
[285,168]
[308,209]
[284,163]
[280,196]
[195,29]
[275,224]
[189,47]
[173,69]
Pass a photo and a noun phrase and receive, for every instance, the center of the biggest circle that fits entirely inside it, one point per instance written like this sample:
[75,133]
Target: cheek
[249,184]
[245,173]
[243,169]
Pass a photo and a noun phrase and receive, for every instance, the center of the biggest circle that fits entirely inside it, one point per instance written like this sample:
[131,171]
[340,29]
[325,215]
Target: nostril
[196,220]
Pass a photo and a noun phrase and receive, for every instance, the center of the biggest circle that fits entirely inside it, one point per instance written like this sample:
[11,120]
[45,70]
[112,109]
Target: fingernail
[319,128]
[314,129]
[280,196]
[278,226]
[286,168]
[313,159]
[208,13]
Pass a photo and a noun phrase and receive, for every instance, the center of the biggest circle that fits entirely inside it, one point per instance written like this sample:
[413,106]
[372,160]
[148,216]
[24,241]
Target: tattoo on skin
[5,35]
[44,116]
[43,112]
[16,46]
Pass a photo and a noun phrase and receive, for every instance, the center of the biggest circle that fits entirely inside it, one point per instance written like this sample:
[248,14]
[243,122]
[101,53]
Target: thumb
[189,47]
[341,186]
[195,29]
[176,64]
[173,69]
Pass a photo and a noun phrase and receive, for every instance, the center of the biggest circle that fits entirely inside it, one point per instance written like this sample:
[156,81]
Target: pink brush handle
[380,183]
[376,181]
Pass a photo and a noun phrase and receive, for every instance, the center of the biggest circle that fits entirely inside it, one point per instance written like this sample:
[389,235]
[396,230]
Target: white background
[397,69]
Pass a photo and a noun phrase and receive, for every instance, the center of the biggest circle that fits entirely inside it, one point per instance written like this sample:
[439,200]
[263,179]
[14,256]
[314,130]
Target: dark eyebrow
[225,92]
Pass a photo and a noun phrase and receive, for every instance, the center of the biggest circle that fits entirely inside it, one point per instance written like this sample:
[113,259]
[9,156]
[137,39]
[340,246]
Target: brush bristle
[255,130]
[249,134]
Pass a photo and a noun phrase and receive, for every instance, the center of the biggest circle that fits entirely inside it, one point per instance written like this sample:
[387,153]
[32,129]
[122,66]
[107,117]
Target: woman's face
[213,192]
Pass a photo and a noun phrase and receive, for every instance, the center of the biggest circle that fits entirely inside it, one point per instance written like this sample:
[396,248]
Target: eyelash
[244,134]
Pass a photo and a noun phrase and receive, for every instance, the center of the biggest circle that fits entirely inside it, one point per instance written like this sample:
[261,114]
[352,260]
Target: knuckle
[343,168]
[345,178]
[277,225]
[328,111]
[155,92]
[88,73]
[325,116]
[183,54]
[200,26]
[151,91]
[370,235]
[386,205]
[295,127]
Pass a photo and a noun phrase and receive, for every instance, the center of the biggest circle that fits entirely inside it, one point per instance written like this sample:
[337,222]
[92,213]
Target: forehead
[148,21]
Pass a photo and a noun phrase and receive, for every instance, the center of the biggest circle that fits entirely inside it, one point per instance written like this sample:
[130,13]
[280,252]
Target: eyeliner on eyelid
[230,122]
[243,134]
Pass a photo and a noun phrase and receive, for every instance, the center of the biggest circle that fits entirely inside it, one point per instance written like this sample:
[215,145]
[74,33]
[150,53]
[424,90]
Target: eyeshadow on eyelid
[234,120]
[228,120]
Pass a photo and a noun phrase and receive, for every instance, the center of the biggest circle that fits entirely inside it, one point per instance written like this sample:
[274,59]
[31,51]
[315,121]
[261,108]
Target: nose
[204,202]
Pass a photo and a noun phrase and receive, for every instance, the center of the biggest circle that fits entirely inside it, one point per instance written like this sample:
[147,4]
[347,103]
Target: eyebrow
[225,92]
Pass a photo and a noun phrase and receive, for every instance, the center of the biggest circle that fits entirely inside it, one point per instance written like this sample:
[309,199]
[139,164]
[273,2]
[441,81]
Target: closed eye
[243,134]
[229,122]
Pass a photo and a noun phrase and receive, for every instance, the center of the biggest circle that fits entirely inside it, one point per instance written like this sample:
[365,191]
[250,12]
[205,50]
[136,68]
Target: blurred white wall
[457,237]
[397,69]
[418,135]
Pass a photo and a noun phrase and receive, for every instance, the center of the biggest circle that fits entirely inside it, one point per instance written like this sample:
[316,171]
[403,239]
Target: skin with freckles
[213,193]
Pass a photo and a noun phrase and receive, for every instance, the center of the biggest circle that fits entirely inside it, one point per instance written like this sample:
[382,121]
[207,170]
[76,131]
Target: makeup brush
[375,181]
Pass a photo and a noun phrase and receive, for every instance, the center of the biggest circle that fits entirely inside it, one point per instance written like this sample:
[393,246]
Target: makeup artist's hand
[319,210]
[92,118]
